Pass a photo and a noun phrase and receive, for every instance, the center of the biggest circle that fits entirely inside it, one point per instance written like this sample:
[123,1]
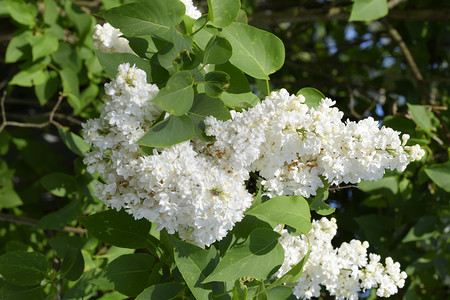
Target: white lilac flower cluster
[293,147]
[198,189]
[344,271]
[108,39]
[176,188]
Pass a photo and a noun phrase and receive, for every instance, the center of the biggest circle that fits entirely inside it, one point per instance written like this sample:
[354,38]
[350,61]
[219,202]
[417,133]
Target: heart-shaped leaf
[178,95]
[256,52]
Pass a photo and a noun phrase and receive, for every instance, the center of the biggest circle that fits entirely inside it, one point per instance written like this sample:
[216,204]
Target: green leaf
[217,51]
[61,243]
[368,10]
[178,95]
[73,141]
[72,265]
[293,211]
[9,198]
[240,290]
[23,268]
[318,202]
[440,175]
[293,274]
[258,257]
[425,229]
[280,292]
[71,88]
[260,293]
[43,45]
[13,292]
[401,124]
[379,234]
[242,17]
[200,127]
[161,291]
[88,95]
[386,186]
[22,12]
[84,288]
[4,142]
[61,217]
[110,61]
[50,12]
[67,57]
[206,106]
[171,131]
[144,45]
[84,23]
[422,117]
[312,96]
[256,52]
[239,101]
[118,228]
[223,12]
[189,60]
[33,75]
[18,48]
[195,264]
[238,81]
[181,41]
[59,184]
[127,274]
[216,83]
[148,17]
[46,90]
[203,36]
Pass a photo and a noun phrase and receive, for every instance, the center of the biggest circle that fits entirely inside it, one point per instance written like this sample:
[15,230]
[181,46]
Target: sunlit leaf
[217,51]
[171,131]
[223,12]
[292,211]
[195,264]
[154,17]
[312,96]
[368,10]
[177,96]
[440,174]
[245,260]
[256,52]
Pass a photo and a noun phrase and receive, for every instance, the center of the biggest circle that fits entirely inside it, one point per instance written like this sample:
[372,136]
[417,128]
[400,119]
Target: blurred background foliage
[395,69]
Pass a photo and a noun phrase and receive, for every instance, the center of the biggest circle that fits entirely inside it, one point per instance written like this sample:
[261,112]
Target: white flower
[191,10]
[294,147]
[108,39]
[177,188]
[344,271]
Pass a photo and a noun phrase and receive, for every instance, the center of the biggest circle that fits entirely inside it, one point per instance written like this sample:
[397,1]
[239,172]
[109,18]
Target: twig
[2,104]
[435,107]
[393,3]
[46,115]
[352,102]
[438,140]
[371,106]
[51,120]
[409,59]
[337,188]
[32,222]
